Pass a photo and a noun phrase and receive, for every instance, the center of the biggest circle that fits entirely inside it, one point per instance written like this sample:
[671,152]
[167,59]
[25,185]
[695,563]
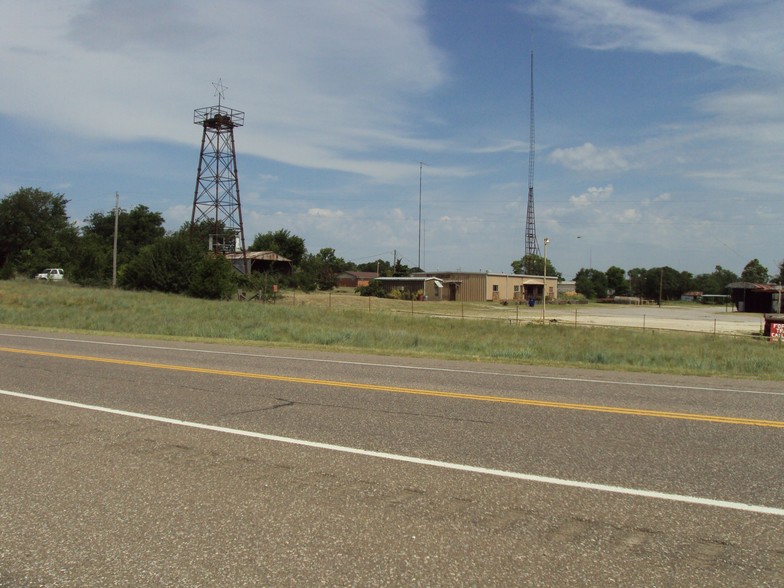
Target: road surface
[128,462]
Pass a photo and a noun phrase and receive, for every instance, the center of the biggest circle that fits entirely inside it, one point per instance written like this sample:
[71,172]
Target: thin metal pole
[116,228]
[419,239]
[419,242]
[544,281]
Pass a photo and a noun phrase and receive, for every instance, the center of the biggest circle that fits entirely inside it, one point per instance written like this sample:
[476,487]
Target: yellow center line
[416,391]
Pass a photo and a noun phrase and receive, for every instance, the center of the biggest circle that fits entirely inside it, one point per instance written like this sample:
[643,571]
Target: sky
[659,125]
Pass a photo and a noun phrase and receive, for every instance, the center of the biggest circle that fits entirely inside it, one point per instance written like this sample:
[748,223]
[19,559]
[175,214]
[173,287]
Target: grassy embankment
[350,323]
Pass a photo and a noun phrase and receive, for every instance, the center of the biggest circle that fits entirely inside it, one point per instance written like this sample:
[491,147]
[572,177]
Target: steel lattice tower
[216,200]
[531,244]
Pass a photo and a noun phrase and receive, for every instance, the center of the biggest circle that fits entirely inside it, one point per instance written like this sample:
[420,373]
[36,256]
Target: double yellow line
[416,391]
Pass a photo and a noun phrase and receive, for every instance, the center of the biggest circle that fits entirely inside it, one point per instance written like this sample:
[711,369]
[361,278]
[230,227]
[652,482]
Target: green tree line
[36,233]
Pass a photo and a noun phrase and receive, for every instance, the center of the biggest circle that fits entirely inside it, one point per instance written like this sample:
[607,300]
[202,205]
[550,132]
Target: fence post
[575,317]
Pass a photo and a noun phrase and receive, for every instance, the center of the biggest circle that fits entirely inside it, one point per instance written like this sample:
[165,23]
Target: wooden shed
[262,262]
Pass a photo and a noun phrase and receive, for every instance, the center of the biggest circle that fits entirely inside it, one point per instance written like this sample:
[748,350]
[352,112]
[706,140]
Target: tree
[400,270]
[166,266]
[323,268]
[213,278]
[383,268]
[35,231]
[533,265]
[716,282]
[780,277]
[755,273]
[135,230]
[283,243]
[591,283]
[617,283]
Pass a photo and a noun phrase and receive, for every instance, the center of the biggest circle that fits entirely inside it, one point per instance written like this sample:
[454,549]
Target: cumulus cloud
[325,213]
[591,196]
[588,157]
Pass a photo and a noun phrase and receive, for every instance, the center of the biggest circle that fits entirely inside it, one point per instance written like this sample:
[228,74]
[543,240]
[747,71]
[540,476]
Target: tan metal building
[491,287]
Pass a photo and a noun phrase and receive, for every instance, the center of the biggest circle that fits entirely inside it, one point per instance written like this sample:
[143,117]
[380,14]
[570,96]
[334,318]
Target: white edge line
[768,510]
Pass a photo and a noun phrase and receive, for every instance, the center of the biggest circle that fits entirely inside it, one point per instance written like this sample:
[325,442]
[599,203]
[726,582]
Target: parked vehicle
[52,273]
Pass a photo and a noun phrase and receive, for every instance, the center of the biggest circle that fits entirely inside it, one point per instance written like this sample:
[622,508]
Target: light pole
[544,281]
[419,244]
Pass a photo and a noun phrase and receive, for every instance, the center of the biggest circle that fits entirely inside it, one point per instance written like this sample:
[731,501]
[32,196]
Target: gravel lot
[703,318]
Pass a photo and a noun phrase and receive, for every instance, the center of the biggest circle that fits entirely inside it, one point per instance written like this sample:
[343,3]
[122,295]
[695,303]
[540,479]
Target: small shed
[262,262]
[751,297]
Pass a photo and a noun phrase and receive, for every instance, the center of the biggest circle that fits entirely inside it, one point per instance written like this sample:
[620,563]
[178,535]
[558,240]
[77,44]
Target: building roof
[753,286]
[438,281]
[360,275]
[441,274]
[259,256]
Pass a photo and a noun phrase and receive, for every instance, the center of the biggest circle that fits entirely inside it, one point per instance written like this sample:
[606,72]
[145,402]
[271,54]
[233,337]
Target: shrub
[214,278]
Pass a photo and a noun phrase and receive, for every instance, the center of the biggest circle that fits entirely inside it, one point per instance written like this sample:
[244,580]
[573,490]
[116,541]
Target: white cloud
[588,157]
[591,196]
[320,81]
[746,34]
[326,213]
[502,147]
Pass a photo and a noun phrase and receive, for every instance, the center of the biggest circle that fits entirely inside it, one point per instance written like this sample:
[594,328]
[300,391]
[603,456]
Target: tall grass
[384,330]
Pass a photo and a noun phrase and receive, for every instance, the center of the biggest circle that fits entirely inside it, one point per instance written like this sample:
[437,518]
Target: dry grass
[346,322]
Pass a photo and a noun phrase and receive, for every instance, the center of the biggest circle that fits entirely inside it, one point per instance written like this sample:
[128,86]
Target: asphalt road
[144,463]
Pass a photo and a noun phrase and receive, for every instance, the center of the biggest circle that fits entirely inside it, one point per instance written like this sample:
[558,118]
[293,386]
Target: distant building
[567,287]
[691,296]
[355,279]
[486,286]
[750,297]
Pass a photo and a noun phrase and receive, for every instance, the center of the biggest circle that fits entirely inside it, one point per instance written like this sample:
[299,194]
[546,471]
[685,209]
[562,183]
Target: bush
[372,289]
[214,278]
[166,266]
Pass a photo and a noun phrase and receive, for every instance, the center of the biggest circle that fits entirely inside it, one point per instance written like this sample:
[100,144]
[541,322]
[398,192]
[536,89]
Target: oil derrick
[216,200]
[531,244]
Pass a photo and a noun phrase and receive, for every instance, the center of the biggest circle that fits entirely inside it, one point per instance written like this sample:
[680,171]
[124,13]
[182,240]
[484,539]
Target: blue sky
[659,124]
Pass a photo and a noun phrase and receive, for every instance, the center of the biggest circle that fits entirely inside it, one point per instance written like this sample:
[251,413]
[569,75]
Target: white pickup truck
[52,273]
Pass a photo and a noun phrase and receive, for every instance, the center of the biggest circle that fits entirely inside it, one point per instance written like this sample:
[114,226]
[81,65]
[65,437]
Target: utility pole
[116,227]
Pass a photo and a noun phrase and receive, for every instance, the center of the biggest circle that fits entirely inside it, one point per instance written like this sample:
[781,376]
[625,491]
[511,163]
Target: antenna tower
[531,244]
[216,200]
